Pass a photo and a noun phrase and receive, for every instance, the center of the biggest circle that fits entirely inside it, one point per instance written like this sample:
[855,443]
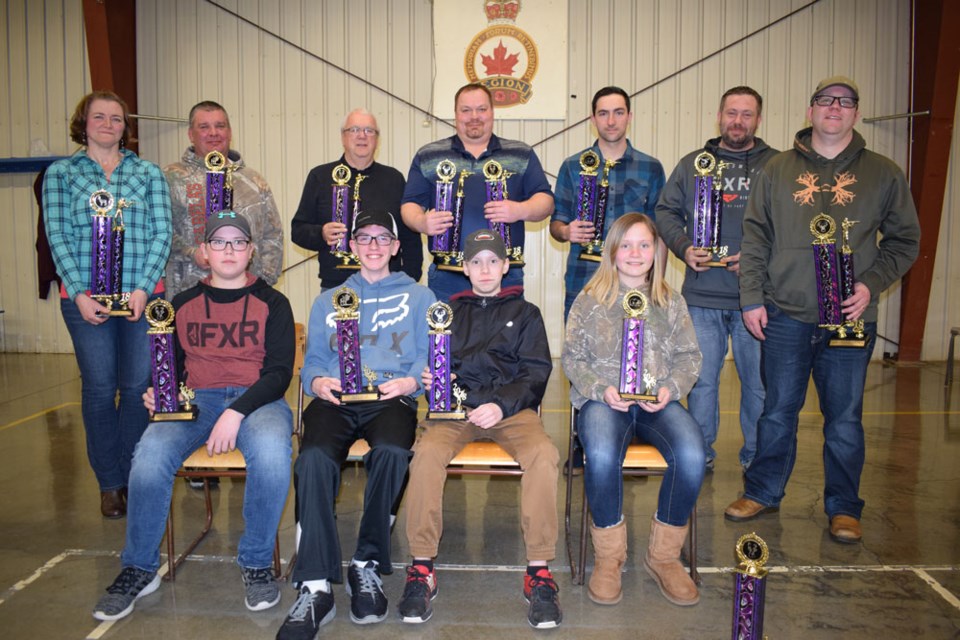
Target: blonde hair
[605,283]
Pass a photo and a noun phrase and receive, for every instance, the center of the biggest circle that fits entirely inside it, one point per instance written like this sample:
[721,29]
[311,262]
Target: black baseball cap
[227,219]
[484,240]
[378,217]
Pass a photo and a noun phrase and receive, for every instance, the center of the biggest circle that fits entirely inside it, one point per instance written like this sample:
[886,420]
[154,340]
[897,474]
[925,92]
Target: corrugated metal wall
[281,69]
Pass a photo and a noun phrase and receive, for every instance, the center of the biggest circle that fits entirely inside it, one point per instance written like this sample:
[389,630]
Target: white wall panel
[287,101]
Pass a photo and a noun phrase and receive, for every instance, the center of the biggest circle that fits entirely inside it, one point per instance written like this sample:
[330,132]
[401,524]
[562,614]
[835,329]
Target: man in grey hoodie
[713,293]
[829,176]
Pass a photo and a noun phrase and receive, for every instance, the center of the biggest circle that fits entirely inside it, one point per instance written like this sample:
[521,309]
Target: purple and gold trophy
[749,588]
[345,304]
[835,281]
[708,207]
[443,201]
[636,383]
[219,183]
[167,408]
[592,199]
[439,317]
[496,179]
[453,259]
[106,265]
[340,212]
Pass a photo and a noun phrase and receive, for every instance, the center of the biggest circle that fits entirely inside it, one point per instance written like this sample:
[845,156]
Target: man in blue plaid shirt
[635,184]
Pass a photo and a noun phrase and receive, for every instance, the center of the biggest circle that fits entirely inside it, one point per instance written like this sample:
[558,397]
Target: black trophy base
[352,266]
[182,415]
[446,415]
[362,396]
[517,263]
[639,397]
[714,264]
[118,313]
[848,341]
[590,257]
[449,267]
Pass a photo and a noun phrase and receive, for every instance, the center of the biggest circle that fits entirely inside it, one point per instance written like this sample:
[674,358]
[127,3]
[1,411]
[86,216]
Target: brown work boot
[845,529]
[663,563]
[744,509]
[609,554]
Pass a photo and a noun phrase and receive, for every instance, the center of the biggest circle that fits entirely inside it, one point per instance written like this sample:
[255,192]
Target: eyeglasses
[219,244]
[825,101]
[383,239]
[355,131]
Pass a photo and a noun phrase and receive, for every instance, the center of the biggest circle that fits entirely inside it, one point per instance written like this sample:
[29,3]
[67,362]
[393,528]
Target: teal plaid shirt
[67,188]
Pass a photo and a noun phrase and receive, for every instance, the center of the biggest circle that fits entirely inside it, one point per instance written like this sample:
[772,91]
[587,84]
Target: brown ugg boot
[663,563]
[609,554]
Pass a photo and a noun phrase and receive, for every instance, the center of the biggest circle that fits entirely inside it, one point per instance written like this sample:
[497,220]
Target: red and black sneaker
[542,593]
[420,589]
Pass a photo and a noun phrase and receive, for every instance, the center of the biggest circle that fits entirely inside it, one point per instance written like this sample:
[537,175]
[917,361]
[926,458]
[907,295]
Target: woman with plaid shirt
[113,353]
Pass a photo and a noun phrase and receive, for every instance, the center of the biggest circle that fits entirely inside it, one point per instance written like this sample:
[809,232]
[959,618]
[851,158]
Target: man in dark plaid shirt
[635,184]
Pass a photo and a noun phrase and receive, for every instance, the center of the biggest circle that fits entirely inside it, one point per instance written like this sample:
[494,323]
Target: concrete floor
[57,554]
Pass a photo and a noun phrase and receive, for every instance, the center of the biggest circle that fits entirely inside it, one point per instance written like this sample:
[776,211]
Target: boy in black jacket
[235,347]
[502,360]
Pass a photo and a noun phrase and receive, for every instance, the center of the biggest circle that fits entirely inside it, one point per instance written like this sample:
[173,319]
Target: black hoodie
[236,338]
[500,350]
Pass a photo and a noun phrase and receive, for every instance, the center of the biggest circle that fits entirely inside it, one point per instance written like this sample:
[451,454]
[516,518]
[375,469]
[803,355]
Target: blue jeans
[113,356]
[264,440]
[713,326]
[792,350]
[605,435]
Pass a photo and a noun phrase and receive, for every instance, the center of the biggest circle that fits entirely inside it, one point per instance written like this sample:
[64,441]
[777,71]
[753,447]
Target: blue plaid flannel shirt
[67,188]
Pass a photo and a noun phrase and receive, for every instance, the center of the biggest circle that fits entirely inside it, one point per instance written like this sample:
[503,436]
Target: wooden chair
[641,460]
[223,465]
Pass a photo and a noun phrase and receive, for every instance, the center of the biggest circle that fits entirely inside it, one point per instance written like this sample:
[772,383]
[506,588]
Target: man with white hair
[381,188]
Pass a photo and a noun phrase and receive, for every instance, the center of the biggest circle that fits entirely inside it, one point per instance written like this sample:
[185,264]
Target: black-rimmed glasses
[826,101]
[383,239]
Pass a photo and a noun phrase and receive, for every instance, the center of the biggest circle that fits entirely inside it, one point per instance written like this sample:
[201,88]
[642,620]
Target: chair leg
[582,573]
[276,555]
[568,508]
[171,554]
[208,524]
[692,546]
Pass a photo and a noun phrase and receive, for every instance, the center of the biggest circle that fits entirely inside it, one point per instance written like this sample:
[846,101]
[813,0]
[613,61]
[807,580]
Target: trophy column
[346,303]
[163,365]
[636,383]
[440,317]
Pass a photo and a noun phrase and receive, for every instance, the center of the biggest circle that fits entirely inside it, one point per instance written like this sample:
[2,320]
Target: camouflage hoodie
[591,349]
[251,196]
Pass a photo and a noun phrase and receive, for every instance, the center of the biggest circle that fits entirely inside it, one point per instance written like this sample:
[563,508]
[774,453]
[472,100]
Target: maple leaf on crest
[500,64]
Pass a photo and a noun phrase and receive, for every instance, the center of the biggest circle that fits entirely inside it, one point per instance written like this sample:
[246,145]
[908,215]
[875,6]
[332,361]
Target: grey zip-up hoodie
[716,288]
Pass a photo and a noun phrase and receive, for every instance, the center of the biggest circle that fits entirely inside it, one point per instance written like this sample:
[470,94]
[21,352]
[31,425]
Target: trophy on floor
[219,183]
[346,304]
[442,393]
[106,264]
[636,383]
[592,199]
[835,281]
[163,365]
[496,181]
[749,587]
[708,207]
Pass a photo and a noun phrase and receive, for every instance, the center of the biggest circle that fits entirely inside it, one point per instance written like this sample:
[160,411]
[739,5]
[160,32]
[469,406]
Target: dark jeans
[389,427]
[792,350]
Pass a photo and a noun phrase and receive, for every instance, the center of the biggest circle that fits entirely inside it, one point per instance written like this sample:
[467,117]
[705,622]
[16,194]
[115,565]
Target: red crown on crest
[499,11]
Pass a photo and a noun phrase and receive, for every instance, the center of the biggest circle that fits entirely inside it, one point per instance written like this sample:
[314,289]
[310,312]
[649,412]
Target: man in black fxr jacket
[502,360]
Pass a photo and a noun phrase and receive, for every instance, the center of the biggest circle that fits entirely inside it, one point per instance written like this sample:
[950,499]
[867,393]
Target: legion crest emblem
[502,57]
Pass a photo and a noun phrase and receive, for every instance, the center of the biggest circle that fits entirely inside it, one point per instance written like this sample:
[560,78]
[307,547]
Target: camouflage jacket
[591,348]
[252,197]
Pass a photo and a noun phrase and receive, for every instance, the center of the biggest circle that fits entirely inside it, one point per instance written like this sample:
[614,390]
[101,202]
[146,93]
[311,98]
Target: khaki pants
[523,437]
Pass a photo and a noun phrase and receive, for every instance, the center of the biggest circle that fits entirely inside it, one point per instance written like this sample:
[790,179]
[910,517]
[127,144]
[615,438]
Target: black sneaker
[310,612]
[541,592]
[420,589]
[262,590]
[131,584]
[368,604]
